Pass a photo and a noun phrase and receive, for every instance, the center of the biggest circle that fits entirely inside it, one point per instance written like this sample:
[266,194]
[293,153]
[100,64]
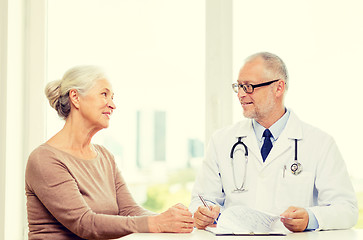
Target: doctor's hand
[295,219]
[176,219]
[205,217]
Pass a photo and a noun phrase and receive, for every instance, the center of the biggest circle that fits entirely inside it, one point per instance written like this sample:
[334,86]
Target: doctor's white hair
[81,78]
[274,64]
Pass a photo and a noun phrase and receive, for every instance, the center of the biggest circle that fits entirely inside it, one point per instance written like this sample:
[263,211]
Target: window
[154,57]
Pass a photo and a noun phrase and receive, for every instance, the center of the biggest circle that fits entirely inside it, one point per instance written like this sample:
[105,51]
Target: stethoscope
[242,188]
[295,168]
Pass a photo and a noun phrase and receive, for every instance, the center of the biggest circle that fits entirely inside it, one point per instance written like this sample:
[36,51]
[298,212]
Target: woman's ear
[74,97]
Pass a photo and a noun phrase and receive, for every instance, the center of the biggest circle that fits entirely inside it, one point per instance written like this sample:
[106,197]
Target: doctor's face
[260,104]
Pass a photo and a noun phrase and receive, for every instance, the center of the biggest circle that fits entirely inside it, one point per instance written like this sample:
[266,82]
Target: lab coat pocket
[294,190]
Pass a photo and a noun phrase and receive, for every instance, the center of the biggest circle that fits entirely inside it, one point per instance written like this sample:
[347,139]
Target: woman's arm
[50,180]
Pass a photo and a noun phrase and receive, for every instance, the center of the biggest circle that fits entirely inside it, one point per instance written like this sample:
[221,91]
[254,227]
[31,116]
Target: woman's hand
[176,219]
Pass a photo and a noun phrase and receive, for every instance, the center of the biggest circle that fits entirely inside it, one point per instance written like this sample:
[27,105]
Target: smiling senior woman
[74,189]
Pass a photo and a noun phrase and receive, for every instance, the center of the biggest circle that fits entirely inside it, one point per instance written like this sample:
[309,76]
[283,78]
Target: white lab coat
[323,186]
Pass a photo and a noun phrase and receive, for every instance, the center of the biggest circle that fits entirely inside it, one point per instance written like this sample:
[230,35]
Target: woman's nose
[111,104]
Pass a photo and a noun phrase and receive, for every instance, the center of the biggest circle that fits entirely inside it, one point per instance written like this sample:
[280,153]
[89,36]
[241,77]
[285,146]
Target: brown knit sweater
[71,198]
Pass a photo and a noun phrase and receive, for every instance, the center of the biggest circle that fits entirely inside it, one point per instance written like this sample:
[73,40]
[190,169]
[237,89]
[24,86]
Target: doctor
[274,162]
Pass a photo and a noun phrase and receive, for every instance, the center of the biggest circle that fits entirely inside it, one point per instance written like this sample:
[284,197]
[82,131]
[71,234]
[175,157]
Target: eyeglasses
[249,88]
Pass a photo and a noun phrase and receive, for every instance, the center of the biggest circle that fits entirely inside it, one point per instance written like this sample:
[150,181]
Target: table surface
[350,234]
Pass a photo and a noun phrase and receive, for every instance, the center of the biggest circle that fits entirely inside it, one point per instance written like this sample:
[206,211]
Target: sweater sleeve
[54,186]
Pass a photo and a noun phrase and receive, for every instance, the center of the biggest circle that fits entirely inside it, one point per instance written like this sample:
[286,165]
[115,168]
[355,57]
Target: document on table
[242,220]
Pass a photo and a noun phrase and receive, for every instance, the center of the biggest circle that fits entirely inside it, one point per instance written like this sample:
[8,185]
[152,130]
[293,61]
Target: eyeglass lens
[248,88]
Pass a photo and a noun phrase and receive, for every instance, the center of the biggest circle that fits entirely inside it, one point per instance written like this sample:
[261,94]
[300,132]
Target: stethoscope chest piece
[296,168]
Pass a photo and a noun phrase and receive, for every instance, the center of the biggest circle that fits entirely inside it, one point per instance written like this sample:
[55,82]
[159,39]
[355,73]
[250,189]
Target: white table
[351,234]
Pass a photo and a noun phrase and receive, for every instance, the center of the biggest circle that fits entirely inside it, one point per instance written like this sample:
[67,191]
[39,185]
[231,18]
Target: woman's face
[97,105]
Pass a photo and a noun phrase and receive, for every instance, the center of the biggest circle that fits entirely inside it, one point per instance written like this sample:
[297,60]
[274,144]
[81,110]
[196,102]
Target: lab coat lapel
[285,141]
[249,138]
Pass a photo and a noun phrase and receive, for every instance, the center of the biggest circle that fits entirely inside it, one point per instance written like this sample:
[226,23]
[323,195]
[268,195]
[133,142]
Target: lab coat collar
[276,128]
[293,130]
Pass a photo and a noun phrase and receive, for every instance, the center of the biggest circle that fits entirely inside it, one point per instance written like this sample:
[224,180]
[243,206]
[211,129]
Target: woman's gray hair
[274,64]
[81,78]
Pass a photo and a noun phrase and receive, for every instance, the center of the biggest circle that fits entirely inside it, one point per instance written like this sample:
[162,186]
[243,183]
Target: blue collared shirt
[276,130]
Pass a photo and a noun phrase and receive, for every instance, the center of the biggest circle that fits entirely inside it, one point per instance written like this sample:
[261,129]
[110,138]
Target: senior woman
[74,189]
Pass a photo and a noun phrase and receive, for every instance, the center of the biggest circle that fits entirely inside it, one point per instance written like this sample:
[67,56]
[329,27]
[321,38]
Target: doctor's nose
[241,93]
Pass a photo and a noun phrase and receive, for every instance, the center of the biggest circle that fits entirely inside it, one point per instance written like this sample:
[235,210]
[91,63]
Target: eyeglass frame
[244,86]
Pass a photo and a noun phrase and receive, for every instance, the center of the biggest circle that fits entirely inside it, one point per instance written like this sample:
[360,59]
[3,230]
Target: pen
[206,205]
[203,201]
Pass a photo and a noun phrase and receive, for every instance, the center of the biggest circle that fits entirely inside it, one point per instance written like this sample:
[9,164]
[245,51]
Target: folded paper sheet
[241,220]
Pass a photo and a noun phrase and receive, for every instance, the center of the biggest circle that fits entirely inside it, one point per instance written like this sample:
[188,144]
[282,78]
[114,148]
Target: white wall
[218,65]
[12,75]
[22,113]
[321,44]
[3,78]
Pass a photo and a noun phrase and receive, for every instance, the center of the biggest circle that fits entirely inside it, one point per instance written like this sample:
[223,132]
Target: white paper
[242,219]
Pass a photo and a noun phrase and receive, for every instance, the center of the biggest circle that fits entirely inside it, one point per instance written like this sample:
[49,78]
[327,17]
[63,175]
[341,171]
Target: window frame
[22,45]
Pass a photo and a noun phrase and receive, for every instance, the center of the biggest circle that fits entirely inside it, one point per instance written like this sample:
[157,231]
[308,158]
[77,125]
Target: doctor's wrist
[313,223]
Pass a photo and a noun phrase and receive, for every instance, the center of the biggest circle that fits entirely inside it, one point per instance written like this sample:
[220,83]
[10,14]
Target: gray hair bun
[56,100]
[81,78]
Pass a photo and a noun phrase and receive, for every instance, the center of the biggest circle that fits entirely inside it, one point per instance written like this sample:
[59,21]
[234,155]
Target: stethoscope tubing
[242,189]
[235,145]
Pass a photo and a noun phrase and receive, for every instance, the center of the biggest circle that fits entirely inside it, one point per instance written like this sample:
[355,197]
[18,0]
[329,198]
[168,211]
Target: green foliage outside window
[162,196]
